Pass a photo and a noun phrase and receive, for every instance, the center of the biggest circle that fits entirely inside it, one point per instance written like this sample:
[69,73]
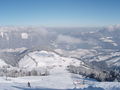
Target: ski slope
[61,80]
[58,79]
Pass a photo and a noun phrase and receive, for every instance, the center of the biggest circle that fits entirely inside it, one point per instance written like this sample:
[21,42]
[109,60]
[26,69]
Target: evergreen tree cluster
[99,75]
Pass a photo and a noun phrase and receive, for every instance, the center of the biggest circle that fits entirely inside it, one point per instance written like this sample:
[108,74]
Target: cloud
[113,27]
[67,39]
[41,30]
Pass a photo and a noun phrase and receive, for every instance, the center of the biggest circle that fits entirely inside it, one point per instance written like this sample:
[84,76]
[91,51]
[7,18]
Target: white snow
[108,39]
[115,44]
[24,35]
[13,50]
[58,79]
[2,34]
[7,37]
[2,63]
[76,53]
[46,59]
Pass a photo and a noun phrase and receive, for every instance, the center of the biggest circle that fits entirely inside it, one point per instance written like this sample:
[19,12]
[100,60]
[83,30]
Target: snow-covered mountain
[73,55]
[86,44]
[45,59]
[48,60]
[12,37]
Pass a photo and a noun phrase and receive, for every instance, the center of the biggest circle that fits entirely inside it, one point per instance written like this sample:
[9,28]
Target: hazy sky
[57,13]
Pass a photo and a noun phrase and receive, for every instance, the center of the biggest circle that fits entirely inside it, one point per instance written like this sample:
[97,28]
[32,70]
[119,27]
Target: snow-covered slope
[56,65]
[58,79]
[46,59]
[2,63]
[108,58]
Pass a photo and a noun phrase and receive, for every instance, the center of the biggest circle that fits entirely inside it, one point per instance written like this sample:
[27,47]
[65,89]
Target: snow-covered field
[58,79]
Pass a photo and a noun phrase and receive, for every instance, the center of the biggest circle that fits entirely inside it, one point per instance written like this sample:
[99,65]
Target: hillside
[58,77]
[70,57]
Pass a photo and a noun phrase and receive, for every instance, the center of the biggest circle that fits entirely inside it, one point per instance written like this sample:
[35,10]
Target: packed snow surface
[60,80]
